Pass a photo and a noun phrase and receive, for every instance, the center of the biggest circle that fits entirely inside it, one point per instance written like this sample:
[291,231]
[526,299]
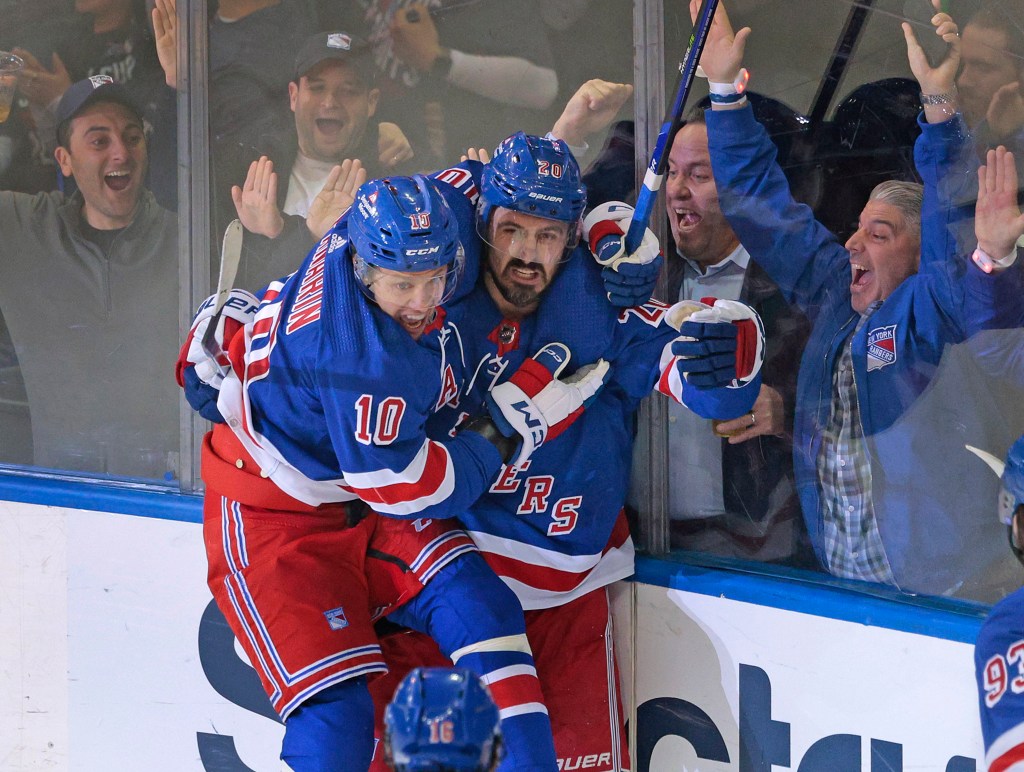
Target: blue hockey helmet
[403,224]
[442,719]
[535,176]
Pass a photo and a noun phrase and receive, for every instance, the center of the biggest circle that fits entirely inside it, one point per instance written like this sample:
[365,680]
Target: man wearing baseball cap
[87,281]
[333,100]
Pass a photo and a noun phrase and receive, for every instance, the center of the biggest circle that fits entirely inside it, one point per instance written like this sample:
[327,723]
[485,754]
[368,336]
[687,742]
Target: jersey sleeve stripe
[428,480]
[1007,753]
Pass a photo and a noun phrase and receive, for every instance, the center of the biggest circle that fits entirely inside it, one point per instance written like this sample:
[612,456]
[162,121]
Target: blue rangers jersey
[999,666]
[331,396]
[554,528]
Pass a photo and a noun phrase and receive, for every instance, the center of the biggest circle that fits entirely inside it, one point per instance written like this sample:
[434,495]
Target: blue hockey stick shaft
[656,168]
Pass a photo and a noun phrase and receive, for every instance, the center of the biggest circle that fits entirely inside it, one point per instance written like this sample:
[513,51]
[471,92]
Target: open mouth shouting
[415,322]
[861,275]
[119,180]
[686,219]
[329,127]
[530,274]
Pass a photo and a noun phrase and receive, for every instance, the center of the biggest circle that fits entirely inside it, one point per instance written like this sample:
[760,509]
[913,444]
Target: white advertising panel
[115,659]
[116,651]
[728,685]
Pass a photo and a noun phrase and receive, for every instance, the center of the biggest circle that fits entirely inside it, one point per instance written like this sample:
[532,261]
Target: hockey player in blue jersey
[325,403]
[999,650]
[542,430]
[995,306]
[442,719]
[552,524]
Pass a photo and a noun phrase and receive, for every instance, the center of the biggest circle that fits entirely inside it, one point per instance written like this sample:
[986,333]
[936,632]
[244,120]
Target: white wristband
[738,86]
[989,264]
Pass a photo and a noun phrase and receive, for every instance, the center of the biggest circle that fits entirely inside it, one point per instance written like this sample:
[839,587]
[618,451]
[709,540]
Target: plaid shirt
[853,545]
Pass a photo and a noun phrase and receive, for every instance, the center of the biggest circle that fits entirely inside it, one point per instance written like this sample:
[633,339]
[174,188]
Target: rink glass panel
[835,143]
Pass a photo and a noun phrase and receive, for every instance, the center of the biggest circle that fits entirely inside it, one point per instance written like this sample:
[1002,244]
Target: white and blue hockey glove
[536,406]
[629,280]
[196,371]
[714,366]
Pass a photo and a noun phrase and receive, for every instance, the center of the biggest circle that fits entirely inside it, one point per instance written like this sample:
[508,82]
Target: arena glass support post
[194,271]
[650,105]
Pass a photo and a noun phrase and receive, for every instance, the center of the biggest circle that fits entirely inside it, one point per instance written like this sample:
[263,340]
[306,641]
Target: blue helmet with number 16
[442,719]
[403,224]
[535,176]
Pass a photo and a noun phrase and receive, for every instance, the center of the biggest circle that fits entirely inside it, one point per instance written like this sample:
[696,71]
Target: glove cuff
[602,229]
[532,377]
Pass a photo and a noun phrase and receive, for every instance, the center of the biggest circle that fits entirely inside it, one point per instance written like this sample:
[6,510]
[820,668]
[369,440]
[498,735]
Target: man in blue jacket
[884,308]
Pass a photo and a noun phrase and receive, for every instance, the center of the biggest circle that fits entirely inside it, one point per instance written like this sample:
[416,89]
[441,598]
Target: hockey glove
[196,372]
[535,405]
[628,279]
[714,366]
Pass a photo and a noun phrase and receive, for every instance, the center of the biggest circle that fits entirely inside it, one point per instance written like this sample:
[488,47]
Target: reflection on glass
[88,256]
[888,389]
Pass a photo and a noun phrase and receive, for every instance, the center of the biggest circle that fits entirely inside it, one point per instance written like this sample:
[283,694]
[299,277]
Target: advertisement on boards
[728,685]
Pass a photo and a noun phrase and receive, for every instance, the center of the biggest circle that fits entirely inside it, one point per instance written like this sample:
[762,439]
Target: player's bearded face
[523,253]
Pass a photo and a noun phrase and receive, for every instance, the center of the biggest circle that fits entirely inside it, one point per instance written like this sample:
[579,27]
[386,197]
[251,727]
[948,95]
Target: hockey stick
[230,254]
[659,158]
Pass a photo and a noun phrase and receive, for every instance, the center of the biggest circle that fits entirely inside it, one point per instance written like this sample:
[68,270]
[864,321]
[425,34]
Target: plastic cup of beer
[10,68]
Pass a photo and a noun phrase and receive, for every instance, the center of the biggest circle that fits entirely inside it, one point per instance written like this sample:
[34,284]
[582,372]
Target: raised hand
[165,28]
[998,222]
[335,197]
[476,154]
[1006,111]
[393,146]
[594,105]
[40,85]
[256,200]
[722,57]
[415,37]
[938,79]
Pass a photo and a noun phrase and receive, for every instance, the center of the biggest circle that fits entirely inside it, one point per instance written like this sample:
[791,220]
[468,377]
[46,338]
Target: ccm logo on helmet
[424,251]
[543,197]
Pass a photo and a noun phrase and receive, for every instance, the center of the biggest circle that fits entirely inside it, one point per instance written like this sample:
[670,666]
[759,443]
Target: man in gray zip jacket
[88,289]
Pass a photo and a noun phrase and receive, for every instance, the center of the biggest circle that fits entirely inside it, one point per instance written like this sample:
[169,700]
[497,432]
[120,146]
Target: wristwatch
[945,98]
